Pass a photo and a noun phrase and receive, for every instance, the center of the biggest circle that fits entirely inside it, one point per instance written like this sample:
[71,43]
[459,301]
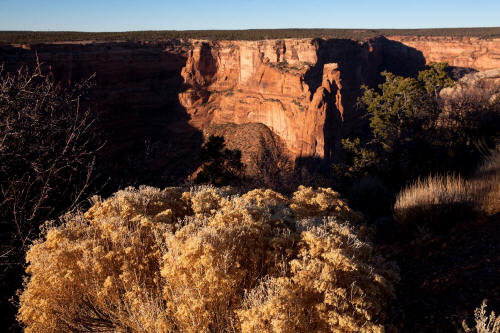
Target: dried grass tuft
[437,202]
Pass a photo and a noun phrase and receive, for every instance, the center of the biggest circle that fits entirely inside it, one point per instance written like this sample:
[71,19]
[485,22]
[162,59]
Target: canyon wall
[464,52]
[303,90]
[295,87]
[136,96]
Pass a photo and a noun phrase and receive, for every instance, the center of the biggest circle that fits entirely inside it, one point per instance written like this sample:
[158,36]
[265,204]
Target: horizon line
[252,29]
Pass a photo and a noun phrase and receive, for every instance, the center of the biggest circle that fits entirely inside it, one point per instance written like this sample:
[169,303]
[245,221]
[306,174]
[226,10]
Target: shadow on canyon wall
[148,138]
[399,58]
[359,64]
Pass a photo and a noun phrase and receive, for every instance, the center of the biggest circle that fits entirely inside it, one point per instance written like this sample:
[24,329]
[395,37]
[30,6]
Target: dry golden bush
[308,202]
[263,198]
[334,285]
[213,259]
[150,260]
[101,271]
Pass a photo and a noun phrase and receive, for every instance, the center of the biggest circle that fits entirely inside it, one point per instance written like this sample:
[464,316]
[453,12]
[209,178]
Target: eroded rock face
[303,90]
[259,82]
[258,144]
[295,87]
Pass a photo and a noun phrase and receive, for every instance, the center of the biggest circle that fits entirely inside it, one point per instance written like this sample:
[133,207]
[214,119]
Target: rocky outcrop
[257,143]
[303,90]
[486,79]
[263,82]
[481,83]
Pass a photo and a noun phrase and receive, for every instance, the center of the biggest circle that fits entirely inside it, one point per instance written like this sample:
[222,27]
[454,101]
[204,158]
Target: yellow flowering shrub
[263,198]
[335,284]
[212,260]
[150,260]
[308,202]
[101,270]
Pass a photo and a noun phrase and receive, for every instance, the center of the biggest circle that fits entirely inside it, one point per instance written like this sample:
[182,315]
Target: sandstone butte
[303,90]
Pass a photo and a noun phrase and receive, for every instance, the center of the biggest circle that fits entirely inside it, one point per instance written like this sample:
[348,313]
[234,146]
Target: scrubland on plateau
[251,34]
[208,259]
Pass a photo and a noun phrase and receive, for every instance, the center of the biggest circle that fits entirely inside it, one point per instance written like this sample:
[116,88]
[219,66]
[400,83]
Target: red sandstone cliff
[467,52]
[263,82]
[303,90]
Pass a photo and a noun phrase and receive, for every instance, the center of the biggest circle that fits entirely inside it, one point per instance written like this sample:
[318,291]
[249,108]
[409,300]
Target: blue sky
[125,15]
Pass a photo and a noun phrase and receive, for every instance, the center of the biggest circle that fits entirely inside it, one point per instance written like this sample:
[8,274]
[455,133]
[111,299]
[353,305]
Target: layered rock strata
[303,90]
[465,52]
[265,82]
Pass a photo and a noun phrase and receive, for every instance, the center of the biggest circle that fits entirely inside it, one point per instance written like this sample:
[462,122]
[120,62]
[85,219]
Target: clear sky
[126,15]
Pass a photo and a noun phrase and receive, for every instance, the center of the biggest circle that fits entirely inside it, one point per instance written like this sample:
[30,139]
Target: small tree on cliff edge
[414,132]
[220,166]
[401,112]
